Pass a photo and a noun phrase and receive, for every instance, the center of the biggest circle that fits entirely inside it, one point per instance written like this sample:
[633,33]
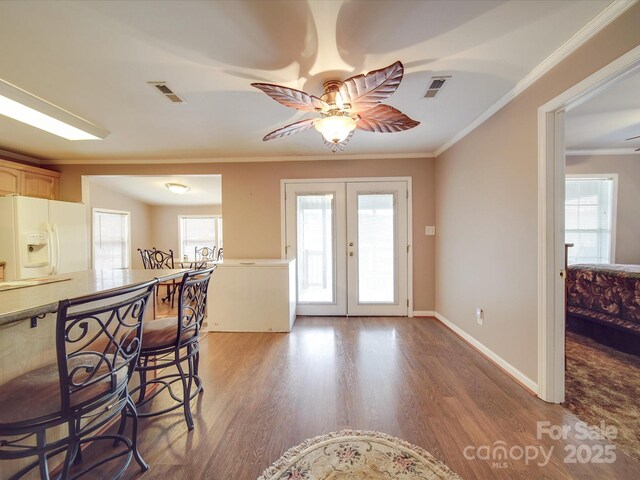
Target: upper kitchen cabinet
[28,180]
[9,180]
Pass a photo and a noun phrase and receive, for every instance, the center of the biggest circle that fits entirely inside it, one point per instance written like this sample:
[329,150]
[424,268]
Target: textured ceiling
[95,59]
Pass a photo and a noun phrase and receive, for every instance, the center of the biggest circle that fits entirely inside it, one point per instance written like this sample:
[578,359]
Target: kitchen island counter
[37,300]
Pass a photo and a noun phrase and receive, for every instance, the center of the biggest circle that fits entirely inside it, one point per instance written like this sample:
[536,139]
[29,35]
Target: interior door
[377,248]
[349,240]
[315,237]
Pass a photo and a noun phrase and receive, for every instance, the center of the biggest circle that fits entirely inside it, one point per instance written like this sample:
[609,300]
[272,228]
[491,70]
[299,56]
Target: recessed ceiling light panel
[27,108]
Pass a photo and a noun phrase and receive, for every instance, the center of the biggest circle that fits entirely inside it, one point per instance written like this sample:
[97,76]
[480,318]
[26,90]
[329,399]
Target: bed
[603,302]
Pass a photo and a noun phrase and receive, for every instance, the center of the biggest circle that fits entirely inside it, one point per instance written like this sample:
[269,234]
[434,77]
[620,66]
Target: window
[197,232]
[111,239]
[590,217]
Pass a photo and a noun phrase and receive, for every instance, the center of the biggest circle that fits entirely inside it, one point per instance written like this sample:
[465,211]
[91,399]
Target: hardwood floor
[410,378]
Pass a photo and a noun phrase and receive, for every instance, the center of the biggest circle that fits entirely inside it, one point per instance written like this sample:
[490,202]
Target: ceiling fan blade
[366,91]
[338,147]
[296,127]
[290,97]
[632,138]
[385,119]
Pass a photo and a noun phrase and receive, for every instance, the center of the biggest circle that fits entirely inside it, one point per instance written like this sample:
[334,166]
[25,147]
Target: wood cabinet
[28,180]
[9,180]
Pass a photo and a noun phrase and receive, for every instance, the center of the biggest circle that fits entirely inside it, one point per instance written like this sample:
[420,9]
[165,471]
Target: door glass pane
[315,255]
[376,248]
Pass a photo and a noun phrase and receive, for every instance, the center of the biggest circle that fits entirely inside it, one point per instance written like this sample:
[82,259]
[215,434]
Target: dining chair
[205,253]
[159,259]
[146,257]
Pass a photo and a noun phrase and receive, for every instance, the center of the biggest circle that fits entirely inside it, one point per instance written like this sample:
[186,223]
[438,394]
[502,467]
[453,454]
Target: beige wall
[102,197]
[628,215]
[251,202]
[164,225]
[486,209]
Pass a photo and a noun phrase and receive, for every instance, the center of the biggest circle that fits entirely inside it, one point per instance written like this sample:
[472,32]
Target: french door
[350,243]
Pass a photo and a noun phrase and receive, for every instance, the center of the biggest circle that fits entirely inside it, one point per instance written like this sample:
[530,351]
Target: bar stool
[98,340]
[171,342]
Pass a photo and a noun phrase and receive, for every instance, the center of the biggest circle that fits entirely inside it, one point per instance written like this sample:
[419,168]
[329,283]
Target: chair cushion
[163,333]
[36,394]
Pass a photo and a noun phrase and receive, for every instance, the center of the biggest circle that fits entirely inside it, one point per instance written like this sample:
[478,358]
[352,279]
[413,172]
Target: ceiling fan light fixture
[178,188]
[344,107]
[336,128]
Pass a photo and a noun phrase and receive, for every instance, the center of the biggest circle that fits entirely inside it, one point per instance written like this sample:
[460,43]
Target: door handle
[351,244]
[55,229]
[50,249]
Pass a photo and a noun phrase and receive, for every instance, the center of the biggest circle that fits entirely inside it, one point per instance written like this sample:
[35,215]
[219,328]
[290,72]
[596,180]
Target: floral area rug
[357,455]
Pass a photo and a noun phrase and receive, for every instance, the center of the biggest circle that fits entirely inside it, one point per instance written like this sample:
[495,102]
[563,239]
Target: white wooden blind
[589,218]
[110,239]
[198,232]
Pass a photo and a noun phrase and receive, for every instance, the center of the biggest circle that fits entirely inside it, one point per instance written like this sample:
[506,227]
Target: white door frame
[551,178]
[283,213]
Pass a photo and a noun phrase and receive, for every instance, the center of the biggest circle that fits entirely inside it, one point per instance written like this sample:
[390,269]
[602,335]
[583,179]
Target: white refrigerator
[40,237]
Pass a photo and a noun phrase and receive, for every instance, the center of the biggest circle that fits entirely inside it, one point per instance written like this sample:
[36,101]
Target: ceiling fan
[344,107]
[633,138]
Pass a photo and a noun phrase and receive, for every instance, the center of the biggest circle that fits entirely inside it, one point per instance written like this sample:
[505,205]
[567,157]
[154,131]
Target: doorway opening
[159,215]
[350,240]
[552,255]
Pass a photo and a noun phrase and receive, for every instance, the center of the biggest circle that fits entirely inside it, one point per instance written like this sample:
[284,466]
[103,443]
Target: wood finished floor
[410,378]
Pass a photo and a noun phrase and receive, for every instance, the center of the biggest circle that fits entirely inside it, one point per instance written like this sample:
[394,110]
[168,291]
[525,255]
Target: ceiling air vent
[436,85]
[166,91]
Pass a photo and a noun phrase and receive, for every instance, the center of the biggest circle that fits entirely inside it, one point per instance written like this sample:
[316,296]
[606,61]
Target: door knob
[351,244]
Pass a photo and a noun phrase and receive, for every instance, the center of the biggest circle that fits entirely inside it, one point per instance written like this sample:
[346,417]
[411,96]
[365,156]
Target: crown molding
[602,151]
[6,154]
[186,160]
[600,21]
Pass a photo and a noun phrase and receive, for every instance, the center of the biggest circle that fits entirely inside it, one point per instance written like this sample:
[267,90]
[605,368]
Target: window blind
[198,232]
[589,218]
[110,240]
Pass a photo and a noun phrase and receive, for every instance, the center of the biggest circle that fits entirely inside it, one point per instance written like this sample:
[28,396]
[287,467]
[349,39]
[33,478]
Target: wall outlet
[430,230]
[479,316]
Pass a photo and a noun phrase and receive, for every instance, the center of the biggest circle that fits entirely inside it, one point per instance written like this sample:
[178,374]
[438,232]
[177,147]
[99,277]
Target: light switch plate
[429,230]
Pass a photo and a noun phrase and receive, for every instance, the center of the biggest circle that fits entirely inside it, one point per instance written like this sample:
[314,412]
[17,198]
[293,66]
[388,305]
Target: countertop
[24,303]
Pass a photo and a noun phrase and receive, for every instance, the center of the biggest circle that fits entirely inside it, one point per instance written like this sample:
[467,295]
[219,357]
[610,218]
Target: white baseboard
[491,355]
[423,313]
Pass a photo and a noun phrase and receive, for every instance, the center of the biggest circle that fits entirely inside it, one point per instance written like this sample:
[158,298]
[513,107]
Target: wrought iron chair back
[145,255]
[219,257]
[192,304]
[98,341]
[197,265]
[159,259]
[205,253]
